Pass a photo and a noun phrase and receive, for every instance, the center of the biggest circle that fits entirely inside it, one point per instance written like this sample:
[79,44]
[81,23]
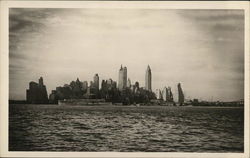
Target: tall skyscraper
[148,79]
[122,78]
[180,94]
[96,81]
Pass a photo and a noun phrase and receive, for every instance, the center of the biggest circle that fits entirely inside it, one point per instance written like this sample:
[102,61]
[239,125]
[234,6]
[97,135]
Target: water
[149,129]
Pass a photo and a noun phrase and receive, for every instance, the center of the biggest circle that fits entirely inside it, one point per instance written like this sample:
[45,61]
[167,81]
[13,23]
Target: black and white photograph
[93,79]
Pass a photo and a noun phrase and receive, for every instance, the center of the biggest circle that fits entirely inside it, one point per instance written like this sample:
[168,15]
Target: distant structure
[180,94]
[171,97]
[129,83]
[122,91]
[96,81]
[108,85]
[108,88]
[159,94]
[148,79]
[136,87]
[122,83]
[76,88]
[37,93]
[165,94]
[84,86]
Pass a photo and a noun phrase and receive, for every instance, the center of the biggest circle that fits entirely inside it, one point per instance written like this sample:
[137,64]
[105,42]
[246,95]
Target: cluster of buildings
[166,95]
[125,82]
[37,93]
[124,91]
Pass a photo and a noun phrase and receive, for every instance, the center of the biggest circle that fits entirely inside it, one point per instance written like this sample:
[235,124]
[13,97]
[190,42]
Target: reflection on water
[157,129]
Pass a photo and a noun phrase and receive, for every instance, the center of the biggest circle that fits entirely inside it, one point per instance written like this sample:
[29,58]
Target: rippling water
[154,128]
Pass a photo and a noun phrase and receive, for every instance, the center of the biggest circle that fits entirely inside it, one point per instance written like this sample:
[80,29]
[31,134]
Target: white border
[4,62]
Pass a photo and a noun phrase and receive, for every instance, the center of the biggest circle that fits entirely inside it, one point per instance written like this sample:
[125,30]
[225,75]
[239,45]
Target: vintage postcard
[124,79]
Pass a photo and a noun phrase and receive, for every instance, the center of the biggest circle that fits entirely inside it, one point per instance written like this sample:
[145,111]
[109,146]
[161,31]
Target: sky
[201,49]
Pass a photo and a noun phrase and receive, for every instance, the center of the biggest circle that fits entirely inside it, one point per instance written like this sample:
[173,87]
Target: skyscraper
[148,79]
[122,78]
[96,81]
[180,94]
[165,94]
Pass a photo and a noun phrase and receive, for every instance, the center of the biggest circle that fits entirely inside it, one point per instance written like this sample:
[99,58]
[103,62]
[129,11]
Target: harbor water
[126,128]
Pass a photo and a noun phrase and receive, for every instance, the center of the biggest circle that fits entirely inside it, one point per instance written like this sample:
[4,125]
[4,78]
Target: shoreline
[131,106]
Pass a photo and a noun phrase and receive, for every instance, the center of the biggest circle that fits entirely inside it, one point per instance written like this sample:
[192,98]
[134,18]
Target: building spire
[148,79]
[148,67]
[77,80]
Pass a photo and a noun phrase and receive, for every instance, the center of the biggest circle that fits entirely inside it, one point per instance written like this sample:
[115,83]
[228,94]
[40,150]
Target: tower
[148,79]
[165,94]
[180,94]
[96,82]
[122,78]
[171,97]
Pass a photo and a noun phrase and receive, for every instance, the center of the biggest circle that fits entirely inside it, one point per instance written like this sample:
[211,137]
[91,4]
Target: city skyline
[204,52]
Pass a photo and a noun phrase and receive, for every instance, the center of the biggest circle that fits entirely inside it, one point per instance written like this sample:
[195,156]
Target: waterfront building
[180,94]
[148,79]
[122,78]
[37,93]
[53,97]
[66,92]
[76,88]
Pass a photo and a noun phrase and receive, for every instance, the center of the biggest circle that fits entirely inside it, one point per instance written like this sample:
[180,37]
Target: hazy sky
[201,49]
